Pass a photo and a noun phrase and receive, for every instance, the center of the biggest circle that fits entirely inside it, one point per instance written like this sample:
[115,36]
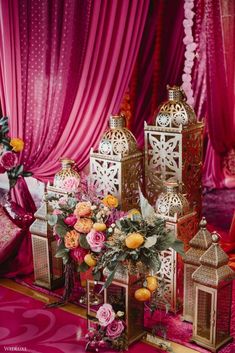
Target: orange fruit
[152,283]
[89,260]
[142,294]
[134,240]
[99,227]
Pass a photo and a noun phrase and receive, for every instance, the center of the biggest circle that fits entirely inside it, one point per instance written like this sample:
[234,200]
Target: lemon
[152,283]
[99,227]
[142,294]
[89,260]
[134,240]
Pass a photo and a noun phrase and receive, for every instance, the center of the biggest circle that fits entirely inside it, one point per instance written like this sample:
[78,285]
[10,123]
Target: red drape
[64,67]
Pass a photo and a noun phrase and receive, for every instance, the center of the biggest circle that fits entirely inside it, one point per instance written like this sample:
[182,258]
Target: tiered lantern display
[174,208]
[117,166]
[173,148]
[198,245]
[213,298]
[120,294]
[48,270]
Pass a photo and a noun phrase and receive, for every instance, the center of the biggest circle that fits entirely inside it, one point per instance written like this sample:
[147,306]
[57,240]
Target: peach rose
[110,201]
[83,225]
[71,239]
[83,209]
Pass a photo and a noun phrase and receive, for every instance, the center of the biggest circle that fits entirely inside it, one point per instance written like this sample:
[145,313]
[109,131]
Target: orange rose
[110,201]
[71,239]
[83,209]
[17,144]
[83,225]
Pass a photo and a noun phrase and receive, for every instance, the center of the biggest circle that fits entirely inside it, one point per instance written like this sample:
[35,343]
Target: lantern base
[51,286]
[212,348]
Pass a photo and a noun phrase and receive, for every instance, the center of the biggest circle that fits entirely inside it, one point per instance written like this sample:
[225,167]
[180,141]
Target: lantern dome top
[117,140]
[203,238]
[171,201]
[175,111]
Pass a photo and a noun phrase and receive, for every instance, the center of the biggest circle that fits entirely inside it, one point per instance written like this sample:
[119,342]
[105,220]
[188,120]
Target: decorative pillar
[173,207]
[48,270]
[198,245]
[213,298]
[173,148]
[116,168]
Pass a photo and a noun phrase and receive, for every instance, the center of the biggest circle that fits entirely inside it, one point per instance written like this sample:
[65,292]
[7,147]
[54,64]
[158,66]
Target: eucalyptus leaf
[150,241]
[61,253]
[83,242]
[52,219]
[83,267]
[178,246]
[97,276]
[61,230]
[27,174]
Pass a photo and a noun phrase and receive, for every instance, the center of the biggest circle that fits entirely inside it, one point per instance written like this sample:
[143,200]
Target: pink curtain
[64,67]
[216,52]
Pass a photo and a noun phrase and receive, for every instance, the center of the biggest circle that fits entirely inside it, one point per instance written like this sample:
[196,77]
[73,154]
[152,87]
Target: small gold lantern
[117,166]
[67,179]
[120,294]
[173,207]
[213,298]
[198,245]
[48,270]
[173,148]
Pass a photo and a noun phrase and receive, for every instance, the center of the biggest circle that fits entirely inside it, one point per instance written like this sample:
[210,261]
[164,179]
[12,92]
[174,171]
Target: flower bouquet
[9,147]
[110,330]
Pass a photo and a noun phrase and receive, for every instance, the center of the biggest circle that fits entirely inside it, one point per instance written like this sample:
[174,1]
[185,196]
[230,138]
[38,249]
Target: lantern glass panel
[223,313]
[41,261]
[95,298]
[204,314]
[116,296]
[57,264]
[189,292]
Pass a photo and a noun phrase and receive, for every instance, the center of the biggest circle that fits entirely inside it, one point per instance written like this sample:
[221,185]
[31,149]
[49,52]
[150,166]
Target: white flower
[113,225]
[110,230]
[120,313]
[93,207]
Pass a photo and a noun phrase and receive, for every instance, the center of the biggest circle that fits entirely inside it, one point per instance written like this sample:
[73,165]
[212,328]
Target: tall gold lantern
[116,168]
[173,148]
[213,298]
[173,207]
[48,270]
[198,245]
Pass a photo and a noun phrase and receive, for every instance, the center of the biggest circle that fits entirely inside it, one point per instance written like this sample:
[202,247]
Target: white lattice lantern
[173,207]
[173,148]
[116,168]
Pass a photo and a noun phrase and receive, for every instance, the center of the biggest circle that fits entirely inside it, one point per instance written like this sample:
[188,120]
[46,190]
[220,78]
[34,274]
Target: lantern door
[204,315]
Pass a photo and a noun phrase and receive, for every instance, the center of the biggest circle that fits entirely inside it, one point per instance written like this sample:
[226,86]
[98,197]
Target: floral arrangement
[110,330]
[135,245]
[9,147]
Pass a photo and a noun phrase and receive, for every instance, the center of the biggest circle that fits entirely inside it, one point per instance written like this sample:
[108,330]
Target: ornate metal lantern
[117,166]
[120,294]
[67,179]
[173,148]
[48,270]
[173,207]
[213,298]
[198,245]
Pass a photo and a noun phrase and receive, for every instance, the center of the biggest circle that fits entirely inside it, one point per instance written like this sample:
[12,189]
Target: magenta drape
[64,68]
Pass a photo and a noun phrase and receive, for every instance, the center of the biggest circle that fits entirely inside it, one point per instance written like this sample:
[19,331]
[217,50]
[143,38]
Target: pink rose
[78,254]
[2,169]
[70,184]
[56,212]
[115,328]
[8,160]
[95,240]
[105,314]
[70,220]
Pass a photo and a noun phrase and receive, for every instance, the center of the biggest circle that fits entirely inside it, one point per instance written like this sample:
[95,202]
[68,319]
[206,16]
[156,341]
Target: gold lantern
[173,148]
[120,294]
[198,245]
[213,298]
[116,168]
[173,207]
[65,180]
[48,270]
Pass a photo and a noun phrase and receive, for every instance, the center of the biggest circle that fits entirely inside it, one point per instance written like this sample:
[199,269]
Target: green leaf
[83,242]
[61,230]
[52,219]
[62,253]
[27,174]
[110,277]
[97,276]
[147,210]
[83,267]
[178,246]
[150,241]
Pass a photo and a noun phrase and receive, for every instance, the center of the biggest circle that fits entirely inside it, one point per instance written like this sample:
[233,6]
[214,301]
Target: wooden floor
[73,309]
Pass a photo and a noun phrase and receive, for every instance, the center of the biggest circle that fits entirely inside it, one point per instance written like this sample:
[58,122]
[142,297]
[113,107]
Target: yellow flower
[17,144]
[110,201]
